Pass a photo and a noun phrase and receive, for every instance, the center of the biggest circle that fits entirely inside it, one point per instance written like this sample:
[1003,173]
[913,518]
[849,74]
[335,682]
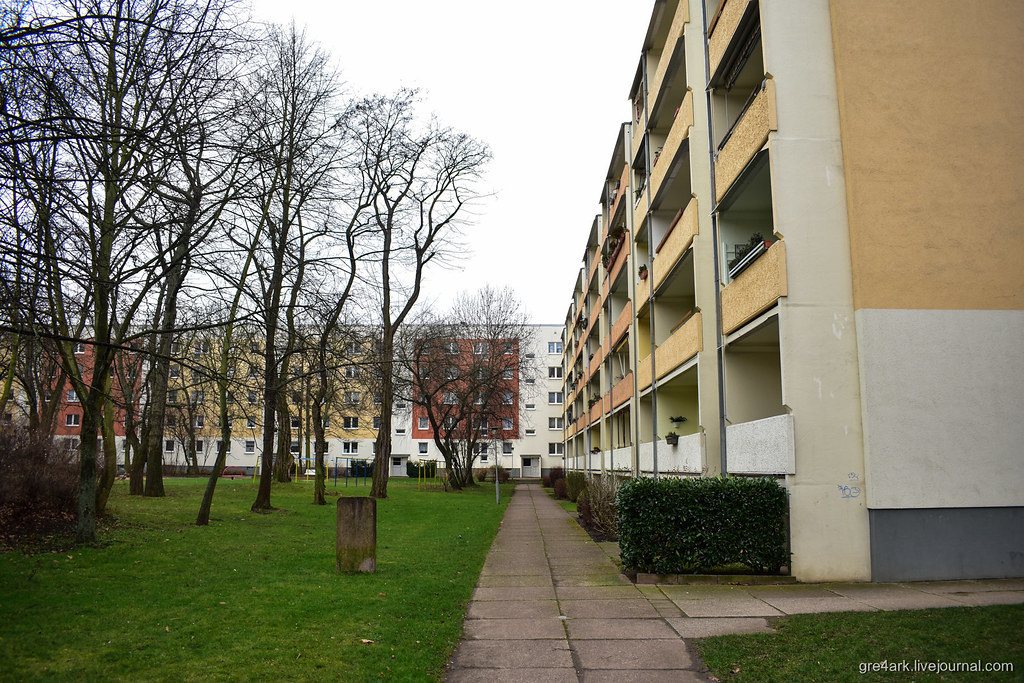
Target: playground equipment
[429,478]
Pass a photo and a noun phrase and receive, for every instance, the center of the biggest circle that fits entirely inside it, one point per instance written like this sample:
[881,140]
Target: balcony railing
[763,446]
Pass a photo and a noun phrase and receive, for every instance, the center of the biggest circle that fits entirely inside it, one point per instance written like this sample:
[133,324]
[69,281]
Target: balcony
[684,343]
[675,243]
[763,446]
[643,374]
[677,134]
[671,53]
[598,409]
[746,138]
[756,289]
[728,30]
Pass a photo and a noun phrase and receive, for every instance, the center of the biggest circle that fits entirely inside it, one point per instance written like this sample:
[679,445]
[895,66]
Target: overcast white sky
[543,82]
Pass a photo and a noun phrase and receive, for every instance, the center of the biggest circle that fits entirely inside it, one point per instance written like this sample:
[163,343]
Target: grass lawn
[250,596]
[832,647]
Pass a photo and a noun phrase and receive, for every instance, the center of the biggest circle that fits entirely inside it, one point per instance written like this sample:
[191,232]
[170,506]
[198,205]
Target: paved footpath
[551,605]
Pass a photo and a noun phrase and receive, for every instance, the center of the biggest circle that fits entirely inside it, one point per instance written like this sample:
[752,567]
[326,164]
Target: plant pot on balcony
[643,272]
[672,438]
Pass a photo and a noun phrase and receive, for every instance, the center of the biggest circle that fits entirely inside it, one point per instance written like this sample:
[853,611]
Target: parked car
[233,473]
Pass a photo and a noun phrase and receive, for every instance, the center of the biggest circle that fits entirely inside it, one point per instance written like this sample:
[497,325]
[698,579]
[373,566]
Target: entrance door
[398,466]
[531,466]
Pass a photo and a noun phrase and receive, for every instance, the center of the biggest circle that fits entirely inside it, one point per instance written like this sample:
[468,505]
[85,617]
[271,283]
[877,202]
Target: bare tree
[462,373]
[423,177]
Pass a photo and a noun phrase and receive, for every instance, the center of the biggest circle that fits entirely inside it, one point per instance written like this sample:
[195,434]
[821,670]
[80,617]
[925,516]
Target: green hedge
[692,525]
[577,482]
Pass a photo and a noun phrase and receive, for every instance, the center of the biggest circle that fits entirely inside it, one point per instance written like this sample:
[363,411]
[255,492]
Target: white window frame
[73,420]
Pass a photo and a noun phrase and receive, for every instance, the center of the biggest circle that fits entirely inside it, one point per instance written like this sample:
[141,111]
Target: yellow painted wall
[931,100]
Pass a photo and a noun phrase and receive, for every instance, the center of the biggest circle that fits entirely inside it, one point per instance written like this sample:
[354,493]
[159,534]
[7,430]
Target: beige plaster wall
[930,98]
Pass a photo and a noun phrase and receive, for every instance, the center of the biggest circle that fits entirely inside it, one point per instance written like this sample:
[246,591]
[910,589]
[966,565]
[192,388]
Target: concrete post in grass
[357,535]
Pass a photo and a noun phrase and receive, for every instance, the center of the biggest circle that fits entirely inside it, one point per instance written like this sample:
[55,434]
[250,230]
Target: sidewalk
[551,605]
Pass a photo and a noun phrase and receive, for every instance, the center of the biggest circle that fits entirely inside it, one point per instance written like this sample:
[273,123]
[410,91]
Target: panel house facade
[794,273]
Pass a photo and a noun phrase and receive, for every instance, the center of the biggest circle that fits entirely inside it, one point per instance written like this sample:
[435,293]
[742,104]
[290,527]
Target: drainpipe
[628,145]
[720,338]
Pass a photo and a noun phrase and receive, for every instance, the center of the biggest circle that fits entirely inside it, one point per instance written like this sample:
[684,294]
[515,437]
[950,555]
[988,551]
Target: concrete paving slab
[513,629]
[522,655]
[646,676]
[806,599]
[984,598]
[512,609]
[718,601]
[632,654]
[704,627]
[966,585]
[598,592]
[590,579]
[515,593]
[564,675]
[622,629]
[505,580]
[608,609]
[891,596]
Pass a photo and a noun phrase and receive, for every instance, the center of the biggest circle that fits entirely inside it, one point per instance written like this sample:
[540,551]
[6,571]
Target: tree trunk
[109,454]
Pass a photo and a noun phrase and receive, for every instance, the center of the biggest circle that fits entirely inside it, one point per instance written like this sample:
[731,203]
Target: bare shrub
[38,484]
[561,489]
[596,505]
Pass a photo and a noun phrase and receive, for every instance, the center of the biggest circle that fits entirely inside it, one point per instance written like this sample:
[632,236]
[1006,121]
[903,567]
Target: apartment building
[805,266]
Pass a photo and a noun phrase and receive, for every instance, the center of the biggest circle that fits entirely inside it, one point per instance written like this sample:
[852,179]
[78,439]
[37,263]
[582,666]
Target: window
[351,397]
[350,447]
[400,430]
[295,447]
[555,398]
[506,447]
[555,448]
[254,372]
[531,432]
[72,420]
[531,406]
[376,422]
[450,398]
[555,423]
[508,348]
[555,347]
[507,374]
[529,380]
[350,422]
[251,397]
[327,422]
[197,397]
[169,445]
[220,422]
[250,446]
[172,396]
[506,398]
[78,348]
[479,400]
[352,371]
[250,423]
[199,421]
[174,372]
[424,423]
[479,348]
[296,422]
[47,395]
[377,399]
[171,421]
[506,424]
[481,449]
[531,356]
[482,424]
[451,348]
[175,348]
[71,444]
[200,445]
[451,372]
[399,405]
[72,396]
[297,397]
[554,372]
[226,450]
[353,348]
[422,447]
[450,422]
[255,347]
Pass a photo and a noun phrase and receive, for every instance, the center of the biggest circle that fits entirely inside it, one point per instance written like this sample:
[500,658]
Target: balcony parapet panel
[681,346]
[622,391]
[723,33]
[683,458]
[765,446]
[675,32]
[621,324]
[756,289]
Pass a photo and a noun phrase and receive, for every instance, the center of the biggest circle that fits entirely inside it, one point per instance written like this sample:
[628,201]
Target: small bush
[561,489]
[597,507]
[556,473]
[503,475]
[545,481]
[38,482]
[480,474]
[577,482]
[424,468]
[675,526]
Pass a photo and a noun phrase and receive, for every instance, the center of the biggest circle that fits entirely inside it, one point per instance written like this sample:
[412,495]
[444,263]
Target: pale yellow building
[806,266]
